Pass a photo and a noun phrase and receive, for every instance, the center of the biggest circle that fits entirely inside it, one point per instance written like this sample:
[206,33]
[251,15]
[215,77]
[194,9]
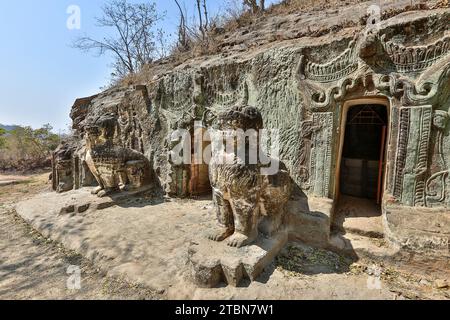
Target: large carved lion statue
[245,201]
[114,166]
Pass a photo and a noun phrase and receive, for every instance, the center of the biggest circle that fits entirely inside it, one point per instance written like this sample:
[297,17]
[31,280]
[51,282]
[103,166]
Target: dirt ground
[33,267]
[361,216]
[154,234]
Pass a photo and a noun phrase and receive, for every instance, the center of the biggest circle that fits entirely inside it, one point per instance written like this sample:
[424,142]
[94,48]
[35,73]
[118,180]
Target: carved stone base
[419,229]
[309,220]
[214,262]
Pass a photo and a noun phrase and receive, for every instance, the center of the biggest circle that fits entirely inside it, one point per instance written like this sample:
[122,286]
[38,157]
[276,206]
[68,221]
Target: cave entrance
[199,183]
[360,177]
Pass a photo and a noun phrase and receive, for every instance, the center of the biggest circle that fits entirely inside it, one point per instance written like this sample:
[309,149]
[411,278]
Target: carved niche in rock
[245,201]
[114,166]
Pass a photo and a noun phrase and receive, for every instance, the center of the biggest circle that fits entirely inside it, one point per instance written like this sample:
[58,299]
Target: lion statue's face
[101,130]
[241,117]
[240,126]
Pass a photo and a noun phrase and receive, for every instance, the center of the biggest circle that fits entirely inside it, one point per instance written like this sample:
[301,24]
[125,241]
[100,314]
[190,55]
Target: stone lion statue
[114,166]
[245,201]
[62,174]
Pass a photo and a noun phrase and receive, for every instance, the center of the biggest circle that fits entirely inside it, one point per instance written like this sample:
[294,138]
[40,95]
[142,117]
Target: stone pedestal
[418,228]
[309,220]
[214,262]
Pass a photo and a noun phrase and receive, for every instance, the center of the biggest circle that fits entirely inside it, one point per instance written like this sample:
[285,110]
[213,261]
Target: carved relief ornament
[322,85]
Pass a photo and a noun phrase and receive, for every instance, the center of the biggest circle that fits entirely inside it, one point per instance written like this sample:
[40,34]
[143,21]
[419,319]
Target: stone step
[214,262]
[361,247]
[363,228]
[358,216]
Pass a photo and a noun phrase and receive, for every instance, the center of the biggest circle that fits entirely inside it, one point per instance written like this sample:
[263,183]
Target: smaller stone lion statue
[62,174]
[245,201]
[114,166]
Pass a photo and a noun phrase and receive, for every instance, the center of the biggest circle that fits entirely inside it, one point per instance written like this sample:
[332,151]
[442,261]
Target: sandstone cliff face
[301,70]
[268,78]
[265,77]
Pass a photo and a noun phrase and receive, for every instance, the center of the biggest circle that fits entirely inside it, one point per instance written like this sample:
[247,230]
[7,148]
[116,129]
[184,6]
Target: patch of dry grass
[24,186]
[296,260]
[227,25]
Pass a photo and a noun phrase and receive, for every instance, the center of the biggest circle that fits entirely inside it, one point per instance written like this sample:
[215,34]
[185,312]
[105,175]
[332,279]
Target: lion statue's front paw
[219,234]
[238,240]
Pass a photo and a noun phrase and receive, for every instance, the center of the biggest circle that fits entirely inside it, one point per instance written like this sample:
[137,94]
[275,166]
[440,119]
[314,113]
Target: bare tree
[254,6]
[262,5]
[133,43]
[234,9]
[203,18]
[183,41]
[200,18]
[162,41]
[205,11]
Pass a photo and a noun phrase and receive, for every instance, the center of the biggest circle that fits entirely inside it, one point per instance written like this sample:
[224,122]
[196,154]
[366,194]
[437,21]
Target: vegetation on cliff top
[137,44]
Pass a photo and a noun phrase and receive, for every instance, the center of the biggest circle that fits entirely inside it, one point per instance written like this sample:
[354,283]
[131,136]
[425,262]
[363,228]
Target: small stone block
[67,209]
[83,208]
[214,262]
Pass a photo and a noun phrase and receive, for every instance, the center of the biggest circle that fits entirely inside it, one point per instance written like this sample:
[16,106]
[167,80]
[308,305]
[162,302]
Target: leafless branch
[133,43]
[183,42]
[254,6]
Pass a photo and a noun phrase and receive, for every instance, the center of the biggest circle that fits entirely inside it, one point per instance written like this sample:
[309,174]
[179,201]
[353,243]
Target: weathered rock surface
[147,242]
[426,229]
[213,262]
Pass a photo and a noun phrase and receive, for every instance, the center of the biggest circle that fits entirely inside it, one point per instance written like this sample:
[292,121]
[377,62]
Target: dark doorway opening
[199,184]
[192,180]
[362,169]
[362,162]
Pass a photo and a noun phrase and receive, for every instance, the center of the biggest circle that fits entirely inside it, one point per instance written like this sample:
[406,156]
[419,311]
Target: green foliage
[2,138]
[25,146]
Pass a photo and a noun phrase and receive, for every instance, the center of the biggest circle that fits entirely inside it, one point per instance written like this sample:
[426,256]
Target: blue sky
[40,74]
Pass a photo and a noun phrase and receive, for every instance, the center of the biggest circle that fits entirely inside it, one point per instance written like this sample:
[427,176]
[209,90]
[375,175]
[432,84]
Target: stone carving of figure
[114,166]
[62,176]
[244,199]
[438,185]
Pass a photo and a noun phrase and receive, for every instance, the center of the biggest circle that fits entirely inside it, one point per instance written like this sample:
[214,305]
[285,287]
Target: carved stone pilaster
[321,153]
[412,154]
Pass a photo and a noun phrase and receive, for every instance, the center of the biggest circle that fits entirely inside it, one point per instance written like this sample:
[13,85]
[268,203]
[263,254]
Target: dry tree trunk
[200,17]
[205,10]
[182,37]
[253,4]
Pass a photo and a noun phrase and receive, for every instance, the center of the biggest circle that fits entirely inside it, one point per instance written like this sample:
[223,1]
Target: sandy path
[6,180]
[33,268]
[4,177]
